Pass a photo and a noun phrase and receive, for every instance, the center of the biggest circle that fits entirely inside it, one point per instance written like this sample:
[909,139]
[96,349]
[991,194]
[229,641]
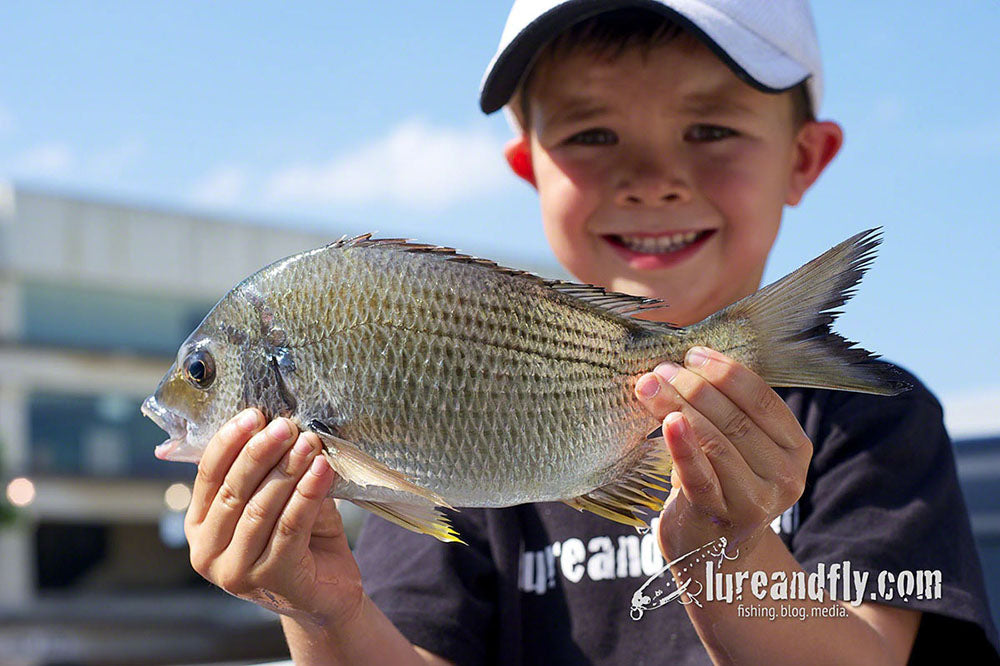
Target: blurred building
[973,420]
[95,299]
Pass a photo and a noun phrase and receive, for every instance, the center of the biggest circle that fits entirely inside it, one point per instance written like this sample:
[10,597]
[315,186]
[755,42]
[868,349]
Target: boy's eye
[704,133]
[594,137]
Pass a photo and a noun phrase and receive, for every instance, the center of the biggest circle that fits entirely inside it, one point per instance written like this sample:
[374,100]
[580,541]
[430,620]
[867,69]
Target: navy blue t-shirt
[546,584]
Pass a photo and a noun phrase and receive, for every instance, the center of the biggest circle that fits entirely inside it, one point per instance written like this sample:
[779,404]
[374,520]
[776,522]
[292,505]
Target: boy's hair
[609,35]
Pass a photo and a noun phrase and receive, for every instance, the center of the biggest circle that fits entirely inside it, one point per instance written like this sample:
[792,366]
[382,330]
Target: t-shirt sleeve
[441,596]
[883,494]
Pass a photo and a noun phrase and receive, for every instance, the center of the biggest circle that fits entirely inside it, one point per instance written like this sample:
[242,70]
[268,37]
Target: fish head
[200,392]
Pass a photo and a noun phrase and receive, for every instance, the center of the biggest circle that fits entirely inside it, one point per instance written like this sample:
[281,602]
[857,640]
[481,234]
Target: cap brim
[509,66]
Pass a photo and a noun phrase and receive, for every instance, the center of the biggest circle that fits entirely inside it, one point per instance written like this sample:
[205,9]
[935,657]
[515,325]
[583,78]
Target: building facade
[95,299]
[973,420]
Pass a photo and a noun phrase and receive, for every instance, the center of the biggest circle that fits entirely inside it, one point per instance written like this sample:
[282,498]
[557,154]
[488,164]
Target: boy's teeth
[659,244]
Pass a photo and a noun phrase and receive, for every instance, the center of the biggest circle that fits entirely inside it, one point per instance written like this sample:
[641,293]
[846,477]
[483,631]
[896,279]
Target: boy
[664,140]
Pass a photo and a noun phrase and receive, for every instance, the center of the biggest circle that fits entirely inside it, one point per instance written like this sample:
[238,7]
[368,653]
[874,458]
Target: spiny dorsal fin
[614,302]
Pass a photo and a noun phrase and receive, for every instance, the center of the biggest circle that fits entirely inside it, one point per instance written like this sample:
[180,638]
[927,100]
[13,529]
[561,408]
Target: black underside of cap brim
[519,55]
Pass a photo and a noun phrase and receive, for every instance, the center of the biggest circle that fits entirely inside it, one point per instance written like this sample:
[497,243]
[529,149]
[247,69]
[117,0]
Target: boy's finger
[254,461]
[294,527]
[760,453]
[253,530]
[728,461]
[691,466]
[649,389]
[218,458]
[750,393]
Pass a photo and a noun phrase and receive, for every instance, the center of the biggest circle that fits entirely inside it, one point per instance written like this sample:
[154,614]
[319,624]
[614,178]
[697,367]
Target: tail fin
[789,325]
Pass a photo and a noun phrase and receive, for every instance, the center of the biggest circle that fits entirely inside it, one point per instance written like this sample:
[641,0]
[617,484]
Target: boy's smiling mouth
[657,250]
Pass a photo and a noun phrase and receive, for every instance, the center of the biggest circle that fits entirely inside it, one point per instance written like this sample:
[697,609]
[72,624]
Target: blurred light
[177,497]
[115,408]
[172,529]
[21,491]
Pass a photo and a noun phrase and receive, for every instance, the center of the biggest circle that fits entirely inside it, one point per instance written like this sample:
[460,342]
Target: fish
[437,380]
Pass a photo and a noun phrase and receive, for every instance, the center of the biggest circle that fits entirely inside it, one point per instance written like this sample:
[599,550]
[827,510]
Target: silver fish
[436,379]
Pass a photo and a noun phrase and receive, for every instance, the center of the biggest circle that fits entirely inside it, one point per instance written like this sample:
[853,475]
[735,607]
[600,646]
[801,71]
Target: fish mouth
[176,448]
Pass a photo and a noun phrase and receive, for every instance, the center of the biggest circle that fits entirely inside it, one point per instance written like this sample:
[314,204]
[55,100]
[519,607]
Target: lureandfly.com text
[834,582]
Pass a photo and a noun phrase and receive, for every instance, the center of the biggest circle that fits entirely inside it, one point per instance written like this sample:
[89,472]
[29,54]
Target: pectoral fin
[625,499]
[353,464]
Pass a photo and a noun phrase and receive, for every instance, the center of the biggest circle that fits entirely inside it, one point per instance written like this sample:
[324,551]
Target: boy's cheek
[573,248]
[564,204]
[735,187]
[588,172]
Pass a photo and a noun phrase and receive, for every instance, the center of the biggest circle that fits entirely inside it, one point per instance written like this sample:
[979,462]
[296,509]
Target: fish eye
[199,368]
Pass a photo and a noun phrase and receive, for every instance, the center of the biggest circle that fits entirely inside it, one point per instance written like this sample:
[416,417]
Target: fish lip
[174,425]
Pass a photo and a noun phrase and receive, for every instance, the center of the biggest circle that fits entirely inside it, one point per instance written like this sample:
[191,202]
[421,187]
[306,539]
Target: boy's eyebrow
[581,109]
[577,109]
[711,105]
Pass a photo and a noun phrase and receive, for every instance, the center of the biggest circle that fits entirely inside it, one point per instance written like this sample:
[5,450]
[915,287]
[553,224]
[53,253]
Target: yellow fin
[416,518]
[625,499]
[353,464]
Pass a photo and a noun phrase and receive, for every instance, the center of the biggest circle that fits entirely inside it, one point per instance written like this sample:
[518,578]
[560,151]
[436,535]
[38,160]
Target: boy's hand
[740,457]
[261,527]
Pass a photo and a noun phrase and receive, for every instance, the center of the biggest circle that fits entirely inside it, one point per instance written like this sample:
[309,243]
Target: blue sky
[311,114]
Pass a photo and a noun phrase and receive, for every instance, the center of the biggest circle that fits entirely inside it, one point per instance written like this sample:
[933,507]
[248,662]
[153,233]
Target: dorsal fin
[614,302]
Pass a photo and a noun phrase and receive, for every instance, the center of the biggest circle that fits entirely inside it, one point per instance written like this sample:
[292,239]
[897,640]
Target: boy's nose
[650,185]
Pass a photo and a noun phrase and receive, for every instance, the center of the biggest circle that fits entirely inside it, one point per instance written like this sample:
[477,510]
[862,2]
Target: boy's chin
[684,305]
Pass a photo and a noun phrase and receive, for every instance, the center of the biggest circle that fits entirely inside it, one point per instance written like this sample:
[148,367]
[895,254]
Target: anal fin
[625,499]
[353,464]
[416,518]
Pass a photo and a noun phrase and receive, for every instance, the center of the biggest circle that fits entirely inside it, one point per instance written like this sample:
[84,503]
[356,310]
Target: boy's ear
[518,154]
[815,145]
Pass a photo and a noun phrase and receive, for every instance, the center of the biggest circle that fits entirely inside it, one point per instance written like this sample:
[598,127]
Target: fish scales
[423,353]
[436,379]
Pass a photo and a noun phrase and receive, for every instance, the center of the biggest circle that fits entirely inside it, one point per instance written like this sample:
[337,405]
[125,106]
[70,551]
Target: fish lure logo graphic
[661,588]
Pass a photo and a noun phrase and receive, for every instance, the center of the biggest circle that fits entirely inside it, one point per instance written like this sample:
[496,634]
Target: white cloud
[974,413]
[223,186]
[415,164]
[45,159]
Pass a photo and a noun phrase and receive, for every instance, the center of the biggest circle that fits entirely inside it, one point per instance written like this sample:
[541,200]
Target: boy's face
[661,174]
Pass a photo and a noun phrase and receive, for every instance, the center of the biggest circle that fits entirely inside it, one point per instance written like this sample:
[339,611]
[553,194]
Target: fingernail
[302,447]
[675,423]
[696,357]
[675,430]
[647,386]
[667,370]
[248,419]
[319,465]
[279,430]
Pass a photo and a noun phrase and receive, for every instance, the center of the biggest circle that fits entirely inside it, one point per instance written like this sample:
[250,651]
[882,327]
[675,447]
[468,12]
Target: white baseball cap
[770,44]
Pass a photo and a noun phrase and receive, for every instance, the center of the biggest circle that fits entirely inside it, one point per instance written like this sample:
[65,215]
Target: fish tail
[782,332]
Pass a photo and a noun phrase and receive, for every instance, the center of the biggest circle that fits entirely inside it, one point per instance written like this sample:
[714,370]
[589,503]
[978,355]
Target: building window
[95,436]
[104,320]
